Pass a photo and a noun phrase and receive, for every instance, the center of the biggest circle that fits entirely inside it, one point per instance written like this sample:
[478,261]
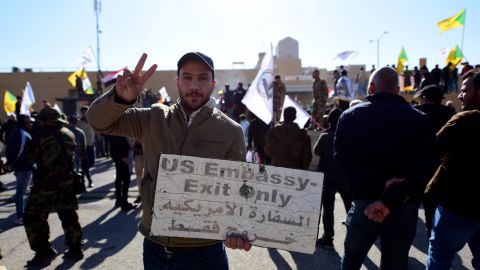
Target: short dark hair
[277,77]
[475,76]
[289,114]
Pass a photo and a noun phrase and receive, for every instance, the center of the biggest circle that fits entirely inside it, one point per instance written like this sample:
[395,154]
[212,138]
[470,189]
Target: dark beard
[189,109]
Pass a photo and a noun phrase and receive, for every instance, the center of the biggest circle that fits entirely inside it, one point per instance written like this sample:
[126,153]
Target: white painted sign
[210,198]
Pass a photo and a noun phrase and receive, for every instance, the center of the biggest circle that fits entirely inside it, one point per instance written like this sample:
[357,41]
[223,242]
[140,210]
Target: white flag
[87,57]
[302,115]
[346,54]
[28,100]
[163,93]
[57,108]
[259,96]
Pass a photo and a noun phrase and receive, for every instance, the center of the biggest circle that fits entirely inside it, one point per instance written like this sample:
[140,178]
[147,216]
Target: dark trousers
[328,200]
[62,198]
[156,257]
[88,162]
[122,180]
[396,233]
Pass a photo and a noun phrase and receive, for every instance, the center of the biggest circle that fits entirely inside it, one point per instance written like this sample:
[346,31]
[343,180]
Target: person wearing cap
[193,127]
[52,149]
[430,98]
[333,179]
[387,150]
[320,98]
[455,184]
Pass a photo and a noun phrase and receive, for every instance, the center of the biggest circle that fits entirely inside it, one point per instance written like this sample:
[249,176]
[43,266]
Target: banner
[210,199]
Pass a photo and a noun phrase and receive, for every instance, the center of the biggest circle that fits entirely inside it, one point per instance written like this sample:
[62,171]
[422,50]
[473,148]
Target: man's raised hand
[129,85]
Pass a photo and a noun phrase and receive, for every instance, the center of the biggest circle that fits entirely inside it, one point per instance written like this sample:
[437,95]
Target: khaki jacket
[288,146]
[163,129]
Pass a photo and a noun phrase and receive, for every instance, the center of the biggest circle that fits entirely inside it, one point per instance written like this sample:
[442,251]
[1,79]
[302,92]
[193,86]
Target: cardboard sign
[210,198]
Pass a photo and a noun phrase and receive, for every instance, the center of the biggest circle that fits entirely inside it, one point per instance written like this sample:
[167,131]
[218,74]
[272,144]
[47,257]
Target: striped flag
[111,78]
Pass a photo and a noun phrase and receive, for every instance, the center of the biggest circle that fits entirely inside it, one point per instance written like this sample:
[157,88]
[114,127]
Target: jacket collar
[210,105]
[386,97]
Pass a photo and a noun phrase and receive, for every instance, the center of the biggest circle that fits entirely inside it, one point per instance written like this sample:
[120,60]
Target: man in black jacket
[387,150]
[431,104]
[119,148]
[333,179]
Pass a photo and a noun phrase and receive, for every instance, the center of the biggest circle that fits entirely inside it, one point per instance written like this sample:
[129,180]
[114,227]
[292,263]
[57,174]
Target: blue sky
[49,35]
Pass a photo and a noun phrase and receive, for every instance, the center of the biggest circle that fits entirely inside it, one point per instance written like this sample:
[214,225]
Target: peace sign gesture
[129,85]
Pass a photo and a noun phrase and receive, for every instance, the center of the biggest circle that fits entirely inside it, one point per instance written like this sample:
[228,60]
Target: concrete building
[53,87]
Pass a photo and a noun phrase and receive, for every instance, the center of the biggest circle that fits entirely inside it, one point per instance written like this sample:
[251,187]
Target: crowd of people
[383,156]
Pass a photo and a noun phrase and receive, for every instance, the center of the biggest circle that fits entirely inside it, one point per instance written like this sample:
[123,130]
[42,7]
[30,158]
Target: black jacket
[327,165]
[384,138]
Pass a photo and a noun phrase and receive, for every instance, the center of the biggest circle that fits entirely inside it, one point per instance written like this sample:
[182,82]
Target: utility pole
[378,47]
[97,6]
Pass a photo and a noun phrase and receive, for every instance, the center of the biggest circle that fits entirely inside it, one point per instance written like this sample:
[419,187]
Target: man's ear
[371,88]
[214,83]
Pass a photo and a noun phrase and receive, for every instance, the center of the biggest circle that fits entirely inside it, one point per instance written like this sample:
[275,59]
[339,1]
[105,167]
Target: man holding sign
[191,127]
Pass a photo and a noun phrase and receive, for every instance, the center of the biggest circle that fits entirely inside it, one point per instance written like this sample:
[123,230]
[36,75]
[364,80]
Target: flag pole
[273,93]
[464,23]
[97,7]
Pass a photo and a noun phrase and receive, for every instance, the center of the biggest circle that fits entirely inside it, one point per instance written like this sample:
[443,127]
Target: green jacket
[163,129]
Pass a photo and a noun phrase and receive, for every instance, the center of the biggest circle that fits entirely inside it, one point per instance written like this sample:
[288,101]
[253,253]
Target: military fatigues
[279,91]
[53,186]
[320,97]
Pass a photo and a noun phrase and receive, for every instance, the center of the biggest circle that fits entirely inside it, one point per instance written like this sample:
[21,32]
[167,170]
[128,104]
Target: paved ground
[112,240]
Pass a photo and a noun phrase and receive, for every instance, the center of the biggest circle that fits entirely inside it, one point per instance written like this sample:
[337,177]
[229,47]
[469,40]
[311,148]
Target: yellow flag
[455,57]
[87,86]
[402,60]
[457,20]
[73,77]
[9,102]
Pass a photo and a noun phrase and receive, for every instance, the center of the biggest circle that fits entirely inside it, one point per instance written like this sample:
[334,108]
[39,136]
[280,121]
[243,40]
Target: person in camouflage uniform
[279,91]
[320,97]
[52,149]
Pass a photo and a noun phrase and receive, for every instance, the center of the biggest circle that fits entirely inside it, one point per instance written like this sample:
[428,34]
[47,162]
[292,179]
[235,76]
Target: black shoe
[74,253]
[324,243]
[118,203]
[138,200]
[42,257]
[128,206]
